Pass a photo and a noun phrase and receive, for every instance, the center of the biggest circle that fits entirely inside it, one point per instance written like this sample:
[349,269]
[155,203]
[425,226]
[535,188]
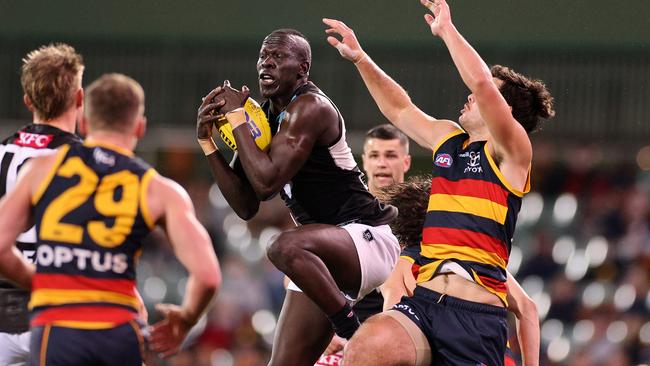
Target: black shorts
[60,346]
[459,332]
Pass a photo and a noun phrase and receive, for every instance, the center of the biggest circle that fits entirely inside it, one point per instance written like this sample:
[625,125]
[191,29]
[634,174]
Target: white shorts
[378,252]
[14,349]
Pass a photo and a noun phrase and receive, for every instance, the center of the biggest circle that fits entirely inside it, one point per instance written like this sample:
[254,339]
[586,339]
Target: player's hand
[348,46]
[168,334]
[440,16]
[336,344]
[232,98]
[209,112]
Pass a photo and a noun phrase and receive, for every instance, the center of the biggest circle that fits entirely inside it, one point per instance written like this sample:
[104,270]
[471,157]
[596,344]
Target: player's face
[470,116]
[278,66]
[385,162]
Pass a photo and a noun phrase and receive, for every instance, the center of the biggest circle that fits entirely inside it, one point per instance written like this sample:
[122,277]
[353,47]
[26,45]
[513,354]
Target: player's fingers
[333,41]
[245,90]
[226,83]
[429,19]
[427,4]
[208,98]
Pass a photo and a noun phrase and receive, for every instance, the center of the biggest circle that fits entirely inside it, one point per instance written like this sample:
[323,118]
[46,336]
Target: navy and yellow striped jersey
[471,215]
[91,216]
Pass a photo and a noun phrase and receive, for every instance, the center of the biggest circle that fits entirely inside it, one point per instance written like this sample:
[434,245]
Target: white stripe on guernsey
[21,153]
[341,152]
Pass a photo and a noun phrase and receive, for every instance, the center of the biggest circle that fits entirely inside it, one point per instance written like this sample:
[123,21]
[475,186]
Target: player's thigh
[332,244]
[302,334]
[381,340]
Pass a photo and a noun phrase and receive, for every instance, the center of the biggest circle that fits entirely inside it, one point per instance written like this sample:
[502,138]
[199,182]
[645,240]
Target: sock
[345,322]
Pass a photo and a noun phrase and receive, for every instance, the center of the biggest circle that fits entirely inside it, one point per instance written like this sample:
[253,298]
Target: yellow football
[256,122]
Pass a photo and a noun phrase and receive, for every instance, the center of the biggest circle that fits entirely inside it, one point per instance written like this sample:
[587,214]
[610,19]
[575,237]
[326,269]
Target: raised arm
[527,319]
[309,120]
[171,206]
[231,180]
[392,100]
[511,143]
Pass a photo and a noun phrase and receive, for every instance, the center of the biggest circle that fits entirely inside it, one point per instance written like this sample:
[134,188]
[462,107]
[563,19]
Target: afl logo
[443,160]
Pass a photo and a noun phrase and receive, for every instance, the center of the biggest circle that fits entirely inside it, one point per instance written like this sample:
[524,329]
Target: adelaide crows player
[481,171]
[92,205]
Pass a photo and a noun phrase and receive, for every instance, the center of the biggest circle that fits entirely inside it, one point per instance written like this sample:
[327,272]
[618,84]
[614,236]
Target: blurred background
[582,248]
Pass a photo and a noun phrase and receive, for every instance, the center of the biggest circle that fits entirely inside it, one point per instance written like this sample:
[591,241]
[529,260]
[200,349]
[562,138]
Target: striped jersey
[91,217]
[32,140]
[328,188]
[471,215]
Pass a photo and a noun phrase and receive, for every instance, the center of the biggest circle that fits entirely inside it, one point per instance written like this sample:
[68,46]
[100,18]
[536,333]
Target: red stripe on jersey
[494,284]
[466,238]
[110,314]
[471,188]
[71,282]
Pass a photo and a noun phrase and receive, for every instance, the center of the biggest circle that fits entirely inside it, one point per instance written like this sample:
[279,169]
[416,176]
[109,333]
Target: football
[257,123]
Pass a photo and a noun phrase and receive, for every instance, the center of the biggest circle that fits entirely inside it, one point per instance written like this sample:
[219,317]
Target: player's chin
[268,91]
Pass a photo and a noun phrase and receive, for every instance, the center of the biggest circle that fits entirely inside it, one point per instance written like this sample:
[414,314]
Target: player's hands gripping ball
[256,122]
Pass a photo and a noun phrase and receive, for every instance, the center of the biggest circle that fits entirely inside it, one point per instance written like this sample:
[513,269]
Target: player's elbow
[265,192]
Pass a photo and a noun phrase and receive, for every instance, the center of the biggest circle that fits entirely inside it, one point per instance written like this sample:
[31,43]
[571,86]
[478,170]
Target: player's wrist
[361,58]
[207,145]
[236,117]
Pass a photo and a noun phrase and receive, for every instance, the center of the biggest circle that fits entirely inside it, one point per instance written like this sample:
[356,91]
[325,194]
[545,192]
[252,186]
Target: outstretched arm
[391,98]
[527,320]
[511,142]
[231,180]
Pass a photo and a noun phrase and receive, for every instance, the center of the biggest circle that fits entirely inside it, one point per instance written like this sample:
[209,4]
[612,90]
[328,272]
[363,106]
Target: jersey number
[123,210]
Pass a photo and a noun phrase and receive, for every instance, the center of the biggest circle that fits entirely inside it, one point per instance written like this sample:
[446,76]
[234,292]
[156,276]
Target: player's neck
[280,103]
[112,138]
[66,121]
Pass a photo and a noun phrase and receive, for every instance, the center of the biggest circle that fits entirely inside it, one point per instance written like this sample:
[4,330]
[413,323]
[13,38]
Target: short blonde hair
[50,76]
[114,102]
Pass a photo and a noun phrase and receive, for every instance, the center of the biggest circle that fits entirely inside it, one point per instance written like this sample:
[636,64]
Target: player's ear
[407,163]
[141,127]
[304,69]
[28,103]
[79,98]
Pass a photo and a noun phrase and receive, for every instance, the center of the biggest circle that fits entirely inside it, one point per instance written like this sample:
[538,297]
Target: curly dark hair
[529,98]
[411,199]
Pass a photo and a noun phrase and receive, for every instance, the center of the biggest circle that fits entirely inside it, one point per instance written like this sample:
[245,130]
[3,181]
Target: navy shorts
[60,346]
[459,332]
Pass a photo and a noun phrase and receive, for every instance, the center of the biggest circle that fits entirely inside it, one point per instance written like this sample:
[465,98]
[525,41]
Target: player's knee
[282,250]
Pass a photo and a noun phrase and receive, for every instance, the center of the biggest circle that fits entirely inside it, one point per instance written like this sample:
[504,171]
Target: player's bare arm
[18,202]
[171,206]
[290,147]
[510,143]
[232,181]
[400,283]
[393,101]
[527,319]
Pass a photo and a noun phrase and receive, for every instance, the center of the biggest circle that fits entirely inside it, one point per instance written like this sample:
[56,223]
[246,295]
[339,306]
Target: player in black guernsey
[342,243]
[51,80]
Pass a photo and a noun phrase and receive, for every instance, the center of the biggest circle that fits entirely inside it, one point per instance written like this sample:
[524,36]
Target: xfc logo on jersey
[33,140]
[443,160]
